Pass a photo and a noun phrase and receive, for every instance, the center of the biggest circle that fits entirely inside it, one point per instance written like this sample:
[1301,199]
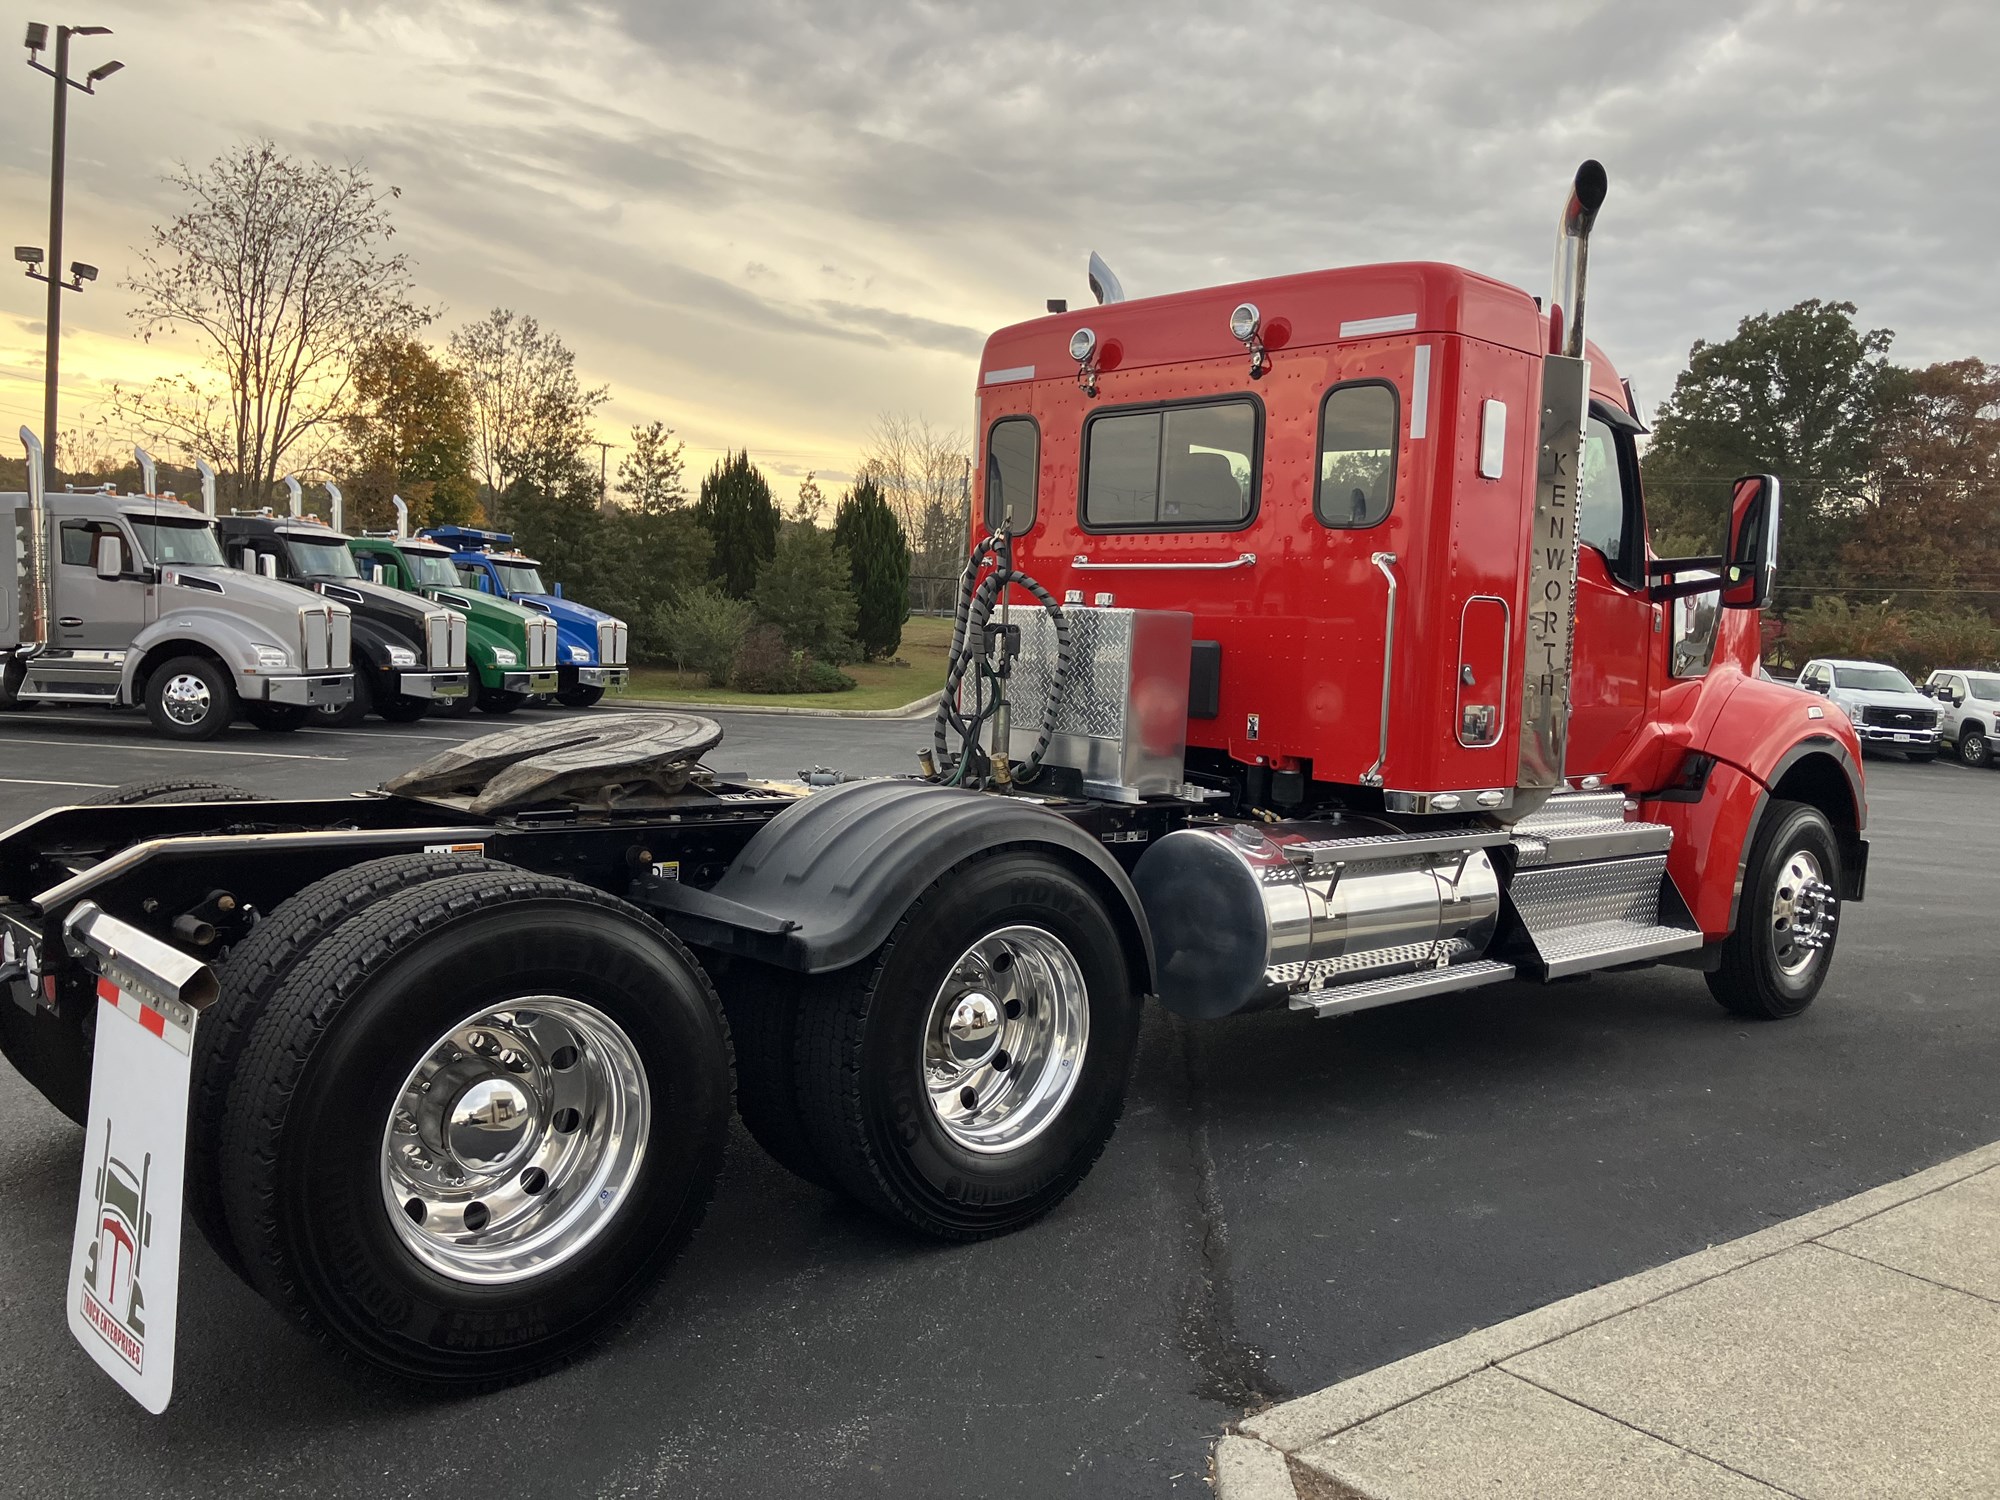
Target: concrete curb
[1298,1424]
[920,708]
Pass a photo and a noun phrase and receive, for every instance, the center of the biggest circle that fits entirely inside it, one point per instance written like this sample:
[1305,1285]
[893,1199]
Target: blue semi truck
[592,647]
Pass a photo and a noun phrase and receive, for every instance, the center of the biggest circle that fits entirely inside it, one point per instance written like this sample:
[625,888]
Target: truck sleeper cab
[510,650]
[593,647]
[409,654]
[144,611]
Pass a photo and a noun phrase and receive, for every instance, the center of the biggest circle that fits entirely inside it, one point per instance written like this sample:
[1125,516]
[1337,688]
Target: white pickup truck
[1969,711]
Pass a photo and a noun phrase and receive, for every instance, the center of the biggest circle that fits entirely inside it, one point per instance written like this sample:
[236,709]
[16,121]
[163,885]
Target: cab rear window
[1189,467]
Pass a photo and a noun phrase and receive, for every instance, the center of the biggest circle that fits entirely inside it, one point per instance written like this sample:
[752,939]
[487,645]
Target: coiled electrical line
[976,598]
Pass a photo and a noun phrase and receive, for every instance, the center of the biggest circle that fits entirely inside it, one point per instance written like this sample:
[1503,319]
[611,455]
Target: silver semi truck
[126,601]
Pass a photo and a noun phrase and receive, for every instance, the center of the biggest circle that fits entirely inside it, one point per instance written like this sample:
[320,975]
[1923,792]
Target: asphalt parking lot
[1287,1203]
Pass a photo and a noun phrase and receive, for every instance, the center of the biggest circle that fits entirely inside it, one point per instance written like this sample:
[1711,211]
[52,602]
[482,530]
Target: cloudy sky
[766,222]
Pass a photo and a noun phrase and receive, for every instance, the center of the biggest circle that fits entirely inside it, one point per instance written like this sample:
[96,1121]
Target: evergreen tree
[737,510]
[878,559]
[803,591]
[650,475]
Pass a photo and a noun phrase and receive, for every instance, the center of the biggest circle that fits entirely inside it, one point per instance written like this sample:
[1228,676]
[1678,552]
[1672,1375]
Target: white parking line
[26,781]
[173,749]
[442,739]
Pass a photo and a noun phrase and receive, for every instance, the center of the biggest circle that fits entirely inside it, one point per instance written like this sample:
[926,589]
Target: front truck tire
[583,695]
[360,702]
[470,1126]
[190,698]
[1778,955]
[964,1077]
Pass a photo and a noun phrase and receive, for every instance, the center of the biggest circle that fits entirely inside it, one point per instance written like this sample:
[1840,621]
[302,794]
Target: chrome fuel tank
[1236,909]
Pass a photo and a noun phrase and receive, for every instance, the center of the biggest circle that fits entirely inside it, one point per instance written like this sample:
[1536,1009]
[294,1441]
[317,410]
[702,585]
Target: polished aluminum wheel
[515,1140]
[186,699]
[1803,911]
[1004,1042]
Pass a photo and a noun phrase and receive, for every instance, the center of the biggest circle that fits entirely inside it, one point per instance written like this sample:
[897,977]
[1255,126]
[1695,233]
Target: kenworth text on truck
[408,653]
[591,653]
[510,650]
[126,600]
[1313,657]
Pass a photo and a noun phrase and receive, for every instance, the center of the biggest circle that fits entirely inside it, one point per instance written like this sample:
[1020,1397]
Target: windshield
[188,543]
[322,559]
[1873,680]
[1982,685]
[520,578]
[432,567]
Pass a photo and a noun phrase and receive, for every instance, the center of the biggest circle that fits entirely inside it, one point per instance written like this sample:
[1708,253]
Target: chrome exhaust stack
[1552,541]
[157,973]
[36,584]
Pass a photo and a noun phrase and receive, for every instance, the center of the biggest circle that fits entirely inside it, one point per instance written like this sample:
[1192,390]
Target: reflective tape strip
[1013,373]
[153,1020]
[1420,393]
[1360,328]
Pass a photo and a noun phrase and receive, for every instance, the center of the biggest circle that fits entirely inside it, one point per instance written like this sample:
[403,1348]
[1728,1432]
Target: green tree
[1799,394]
[650,475]
[531,414]
[409,433]
[878,559]
[738,512]
[804,591]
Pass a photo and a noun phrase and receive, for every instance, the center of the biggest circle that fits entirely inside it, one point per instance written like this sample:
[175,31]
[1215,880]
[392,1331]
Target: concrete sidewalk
[1851,1352]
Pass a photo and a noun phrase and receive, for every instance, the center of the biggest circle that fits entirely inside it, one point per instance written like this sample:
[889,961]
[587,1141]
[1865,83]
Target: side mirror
[559,592]
[1750,562]
[267,565]
[110,562]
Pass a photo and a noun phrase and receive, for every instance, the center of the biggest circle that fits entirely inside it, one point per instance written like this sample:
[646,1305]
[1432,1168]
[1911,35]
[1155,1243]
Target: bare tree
[280,266]
[530,412]
[922,472]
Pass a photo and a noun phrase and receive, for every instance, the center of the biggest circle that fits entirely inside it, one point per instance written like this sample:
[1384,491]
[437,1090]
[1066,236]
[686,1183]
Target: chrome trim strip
[1009,375]
[1241,560]
[1356,328]
[1420,394]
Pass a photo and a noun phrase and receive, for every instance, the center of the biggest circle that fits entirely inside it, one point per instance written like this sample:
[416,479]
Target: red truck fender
[1767,742]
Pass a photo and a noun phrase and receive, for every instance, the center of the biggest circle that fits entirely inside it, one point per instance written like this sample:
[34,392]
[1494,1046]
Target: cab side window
[1013,458]
[1600,517]
[1358,424]
[79,542]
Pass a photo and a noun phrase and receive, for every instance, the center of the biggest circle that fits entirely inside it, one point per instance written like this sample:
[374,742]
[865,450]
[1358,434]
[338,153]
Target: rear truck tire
[249,975]
[471,1125]
[1778,956]
[51,1054]
[500,701]
[403,709]
[964,1077]
[583,695]
[1973,748]
[190,698]
[354,710]
[276,718]
[762,1005]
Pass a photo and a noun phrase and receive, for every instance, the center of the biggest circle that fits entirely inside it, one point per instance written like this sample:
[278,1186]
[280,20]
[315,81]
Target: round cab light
[1081,343]
[1244,322]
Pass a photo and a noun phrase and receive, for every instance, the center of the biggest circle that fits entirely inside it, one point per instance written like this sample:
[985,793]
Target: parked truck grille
[611,636]
[340,641]
[1899,718]
[542,643]
[444,641]
[317,638]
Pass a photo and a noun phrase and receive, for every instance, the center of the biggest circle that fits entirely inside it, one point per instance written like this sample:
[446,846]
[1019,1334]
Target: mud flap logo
[124,1271]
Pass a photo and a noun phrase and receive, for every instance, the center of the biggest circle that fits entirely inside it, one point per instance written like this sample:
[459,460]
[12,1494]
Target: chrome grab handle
[1241,560]
[1373,775]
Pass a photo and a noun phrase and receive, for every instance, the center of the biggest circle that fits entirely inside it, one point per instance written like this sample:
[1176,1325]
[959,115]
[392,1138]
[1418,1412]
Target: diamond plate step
[1579,826]
[1596,914]
[1376,846]
[1341,999]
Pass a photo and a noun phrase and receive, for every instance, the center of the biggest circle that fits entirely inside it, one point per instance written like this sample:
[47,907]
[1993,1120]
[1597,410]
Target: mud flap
[125,1258]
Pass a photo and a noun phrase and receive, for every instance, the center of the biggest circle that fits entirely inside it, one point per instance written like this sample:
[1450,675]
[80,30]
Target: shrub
[765,664]
[804,592]
[703,631]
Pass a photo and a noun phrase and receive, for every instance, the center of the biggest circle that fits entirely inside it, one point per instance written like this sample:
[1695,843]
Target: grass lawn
[880,684]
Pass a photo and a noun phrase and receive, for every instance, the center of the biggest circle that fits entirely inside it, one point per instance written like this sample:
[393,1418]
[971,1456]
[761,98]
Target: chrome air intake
[1239,912]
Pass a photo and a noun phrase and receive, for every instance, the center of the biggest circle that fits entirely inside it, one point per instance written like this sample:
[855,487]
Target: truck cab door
[1617,624]
[93,613]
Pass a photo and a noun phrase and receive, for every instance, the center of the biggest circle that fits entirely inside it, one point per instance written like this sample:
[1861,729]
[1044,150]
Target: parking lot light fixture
[36,41]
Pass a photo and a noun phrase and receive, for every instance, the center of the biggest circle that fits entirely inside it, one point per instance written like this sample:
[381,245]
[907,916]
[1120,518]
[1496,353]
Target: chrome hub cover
[1804,910]
[186,698]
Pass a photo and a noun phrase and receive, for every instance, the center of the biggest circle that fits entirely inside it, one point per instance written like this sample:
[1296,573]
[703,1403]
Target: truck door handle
[1241,560]
[71,622]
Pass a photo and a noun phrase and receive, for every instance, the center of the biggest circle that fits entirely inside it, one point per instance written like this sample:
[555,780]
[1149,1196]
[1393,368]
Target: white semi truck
[127,601]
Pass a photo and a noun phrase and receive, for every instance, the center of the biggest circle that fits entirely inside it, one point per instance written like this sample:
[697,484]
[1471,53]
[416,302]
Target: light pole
[79,273]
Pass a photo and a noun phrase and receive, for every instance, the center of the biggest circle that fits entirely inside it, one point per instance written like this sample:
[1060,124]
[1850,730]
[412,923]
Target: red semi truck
[1311,655]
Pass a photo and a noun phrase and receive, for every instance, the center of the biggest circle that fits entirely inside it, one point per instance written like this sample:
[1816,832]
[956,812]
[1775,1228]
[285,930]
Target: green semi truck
[510,650]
